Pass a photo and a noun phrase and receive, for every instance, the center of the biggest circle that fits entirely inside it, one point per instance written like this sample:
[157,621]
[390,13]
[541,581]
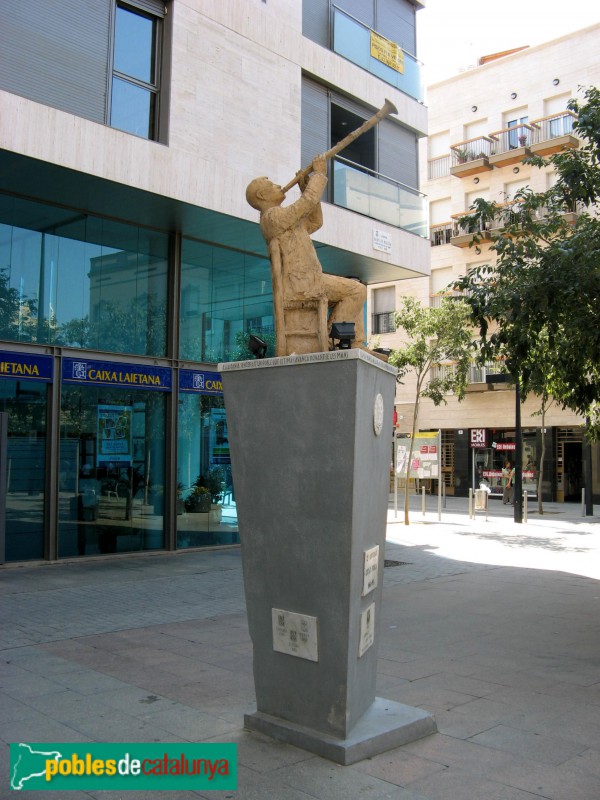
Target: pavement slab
[492,625]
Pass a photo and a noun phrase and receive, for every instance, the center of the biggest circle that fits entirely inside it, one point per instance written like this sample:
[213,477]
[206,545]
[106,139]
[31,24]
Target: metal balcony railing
[440,234]
[477,372]
[352,40]
[384,322]
[471,150]
[552,127]
[514,137]
[438,167]
[495,145]
[368,192]
[468,226]
[436,299]
[509,213]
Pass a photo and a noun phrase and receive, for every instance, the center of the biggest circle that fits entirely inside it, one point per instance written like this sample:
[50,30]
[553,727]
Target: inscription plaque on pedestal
[295,634]
[371,570]
[367,629]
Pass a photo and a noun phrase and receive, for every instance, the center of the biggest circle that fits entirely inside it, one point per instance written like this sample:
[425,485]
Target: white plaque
[367,629]
[295,634]
[382,241]
[371,570]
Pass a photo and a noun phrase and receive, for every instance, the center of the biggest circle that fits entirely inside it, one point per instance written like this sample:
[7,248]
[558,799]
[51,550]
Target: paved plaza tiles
[492,626]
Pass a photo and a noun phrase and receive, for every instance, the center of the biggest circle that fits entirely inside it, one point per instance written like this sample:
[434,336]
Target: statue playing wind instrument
[307,301]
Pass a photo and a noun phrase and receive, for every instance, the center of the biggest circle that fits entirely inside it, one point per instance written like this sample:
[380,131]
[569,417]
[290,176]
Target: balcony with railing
[478,372]
[381,57]
[512,213]
[476,378]
[436,300]
[554,133]
[384,322]
[512,144]
[471,156]
[569,213]
[438,167]
[374,195]
[464,228]
[440,234]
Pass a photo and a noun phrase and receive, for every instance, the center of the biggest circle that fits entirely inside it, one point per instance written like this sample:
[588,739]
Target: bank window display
[225,297]
[112,470]
[206,510]
[25,402]
[78,281]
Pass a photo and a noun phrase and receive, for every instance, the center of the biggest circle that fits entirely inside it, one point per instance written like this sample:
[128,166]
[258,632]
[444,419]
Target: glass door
[26,405]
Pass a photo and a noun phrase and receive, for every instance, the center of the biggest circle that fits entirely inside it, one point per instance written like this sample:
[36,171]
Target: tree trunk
[410,452]
[542,454]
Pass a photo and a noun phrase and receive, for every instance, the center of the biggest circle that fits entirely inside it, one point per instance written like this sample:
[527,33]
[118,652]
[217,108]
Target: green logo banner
[90,766]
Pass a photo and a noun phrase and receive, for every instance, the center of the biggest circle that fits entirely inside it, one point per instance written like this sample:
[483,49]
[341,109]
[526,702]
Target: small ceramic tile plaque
[371,570]
[367,629]
[295,634]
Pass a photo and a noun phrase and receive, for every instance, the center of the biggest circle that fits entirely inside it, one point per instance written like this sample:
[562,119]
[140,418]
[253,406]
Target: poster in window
[219,439]
[114,435]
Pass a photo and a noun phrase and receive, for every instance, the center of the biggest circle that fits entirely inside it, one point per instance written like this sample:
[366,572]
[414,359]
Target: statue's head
[262,193]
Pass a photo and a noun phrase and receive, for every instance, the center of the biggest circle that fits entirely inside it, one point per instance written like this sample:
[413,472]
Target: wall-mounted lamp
[556,81]
[515,170]
[473,109]
[475,180]
[513,95]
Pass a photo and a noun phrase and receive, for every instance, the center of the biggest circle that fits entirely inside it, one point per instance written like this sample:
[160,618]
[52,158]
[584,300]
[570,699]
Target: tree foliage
[538,305]
[436,337]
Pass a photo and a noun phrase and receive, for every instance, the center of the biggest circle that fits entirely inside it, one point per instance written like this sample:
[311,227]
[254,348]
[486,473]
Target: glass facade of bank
[110,334]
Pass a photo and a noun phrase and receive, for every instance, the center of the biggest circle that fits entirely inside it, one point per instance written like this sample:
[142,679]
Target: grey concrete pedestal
[311,446]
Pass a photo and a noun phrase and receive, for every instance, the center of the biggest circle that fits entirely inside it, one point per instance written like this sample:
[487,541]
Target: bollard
[444,494]
[525,506]
[423,500]
[470,503]
[583,502]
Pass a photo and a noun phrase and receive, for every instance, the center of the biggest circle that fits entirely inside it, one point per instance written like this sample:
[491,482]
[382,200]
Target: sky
[453,34]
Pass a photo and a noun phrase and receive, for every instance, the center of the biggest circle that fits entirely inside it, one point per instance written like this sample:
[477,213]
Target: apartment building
[131,264]
[482,123]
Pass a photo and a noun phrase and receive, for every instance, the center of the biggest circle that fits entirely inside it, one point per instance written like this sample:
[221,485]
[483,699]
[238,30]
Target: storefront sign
[497,473]
[491,473]
[504,445]
[25,366]
[111,373]
[388,52]
[195,380]
[478,437]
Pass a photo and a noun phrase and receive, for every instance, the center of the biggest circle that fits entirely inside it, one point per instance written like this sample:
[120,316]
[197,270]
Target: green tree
[18,314]
[436,337]
[538,305]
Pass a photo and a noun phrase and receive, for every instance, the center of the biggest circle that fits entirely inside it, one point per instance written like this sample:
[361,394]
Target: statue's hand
[319,165]
[302,180]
